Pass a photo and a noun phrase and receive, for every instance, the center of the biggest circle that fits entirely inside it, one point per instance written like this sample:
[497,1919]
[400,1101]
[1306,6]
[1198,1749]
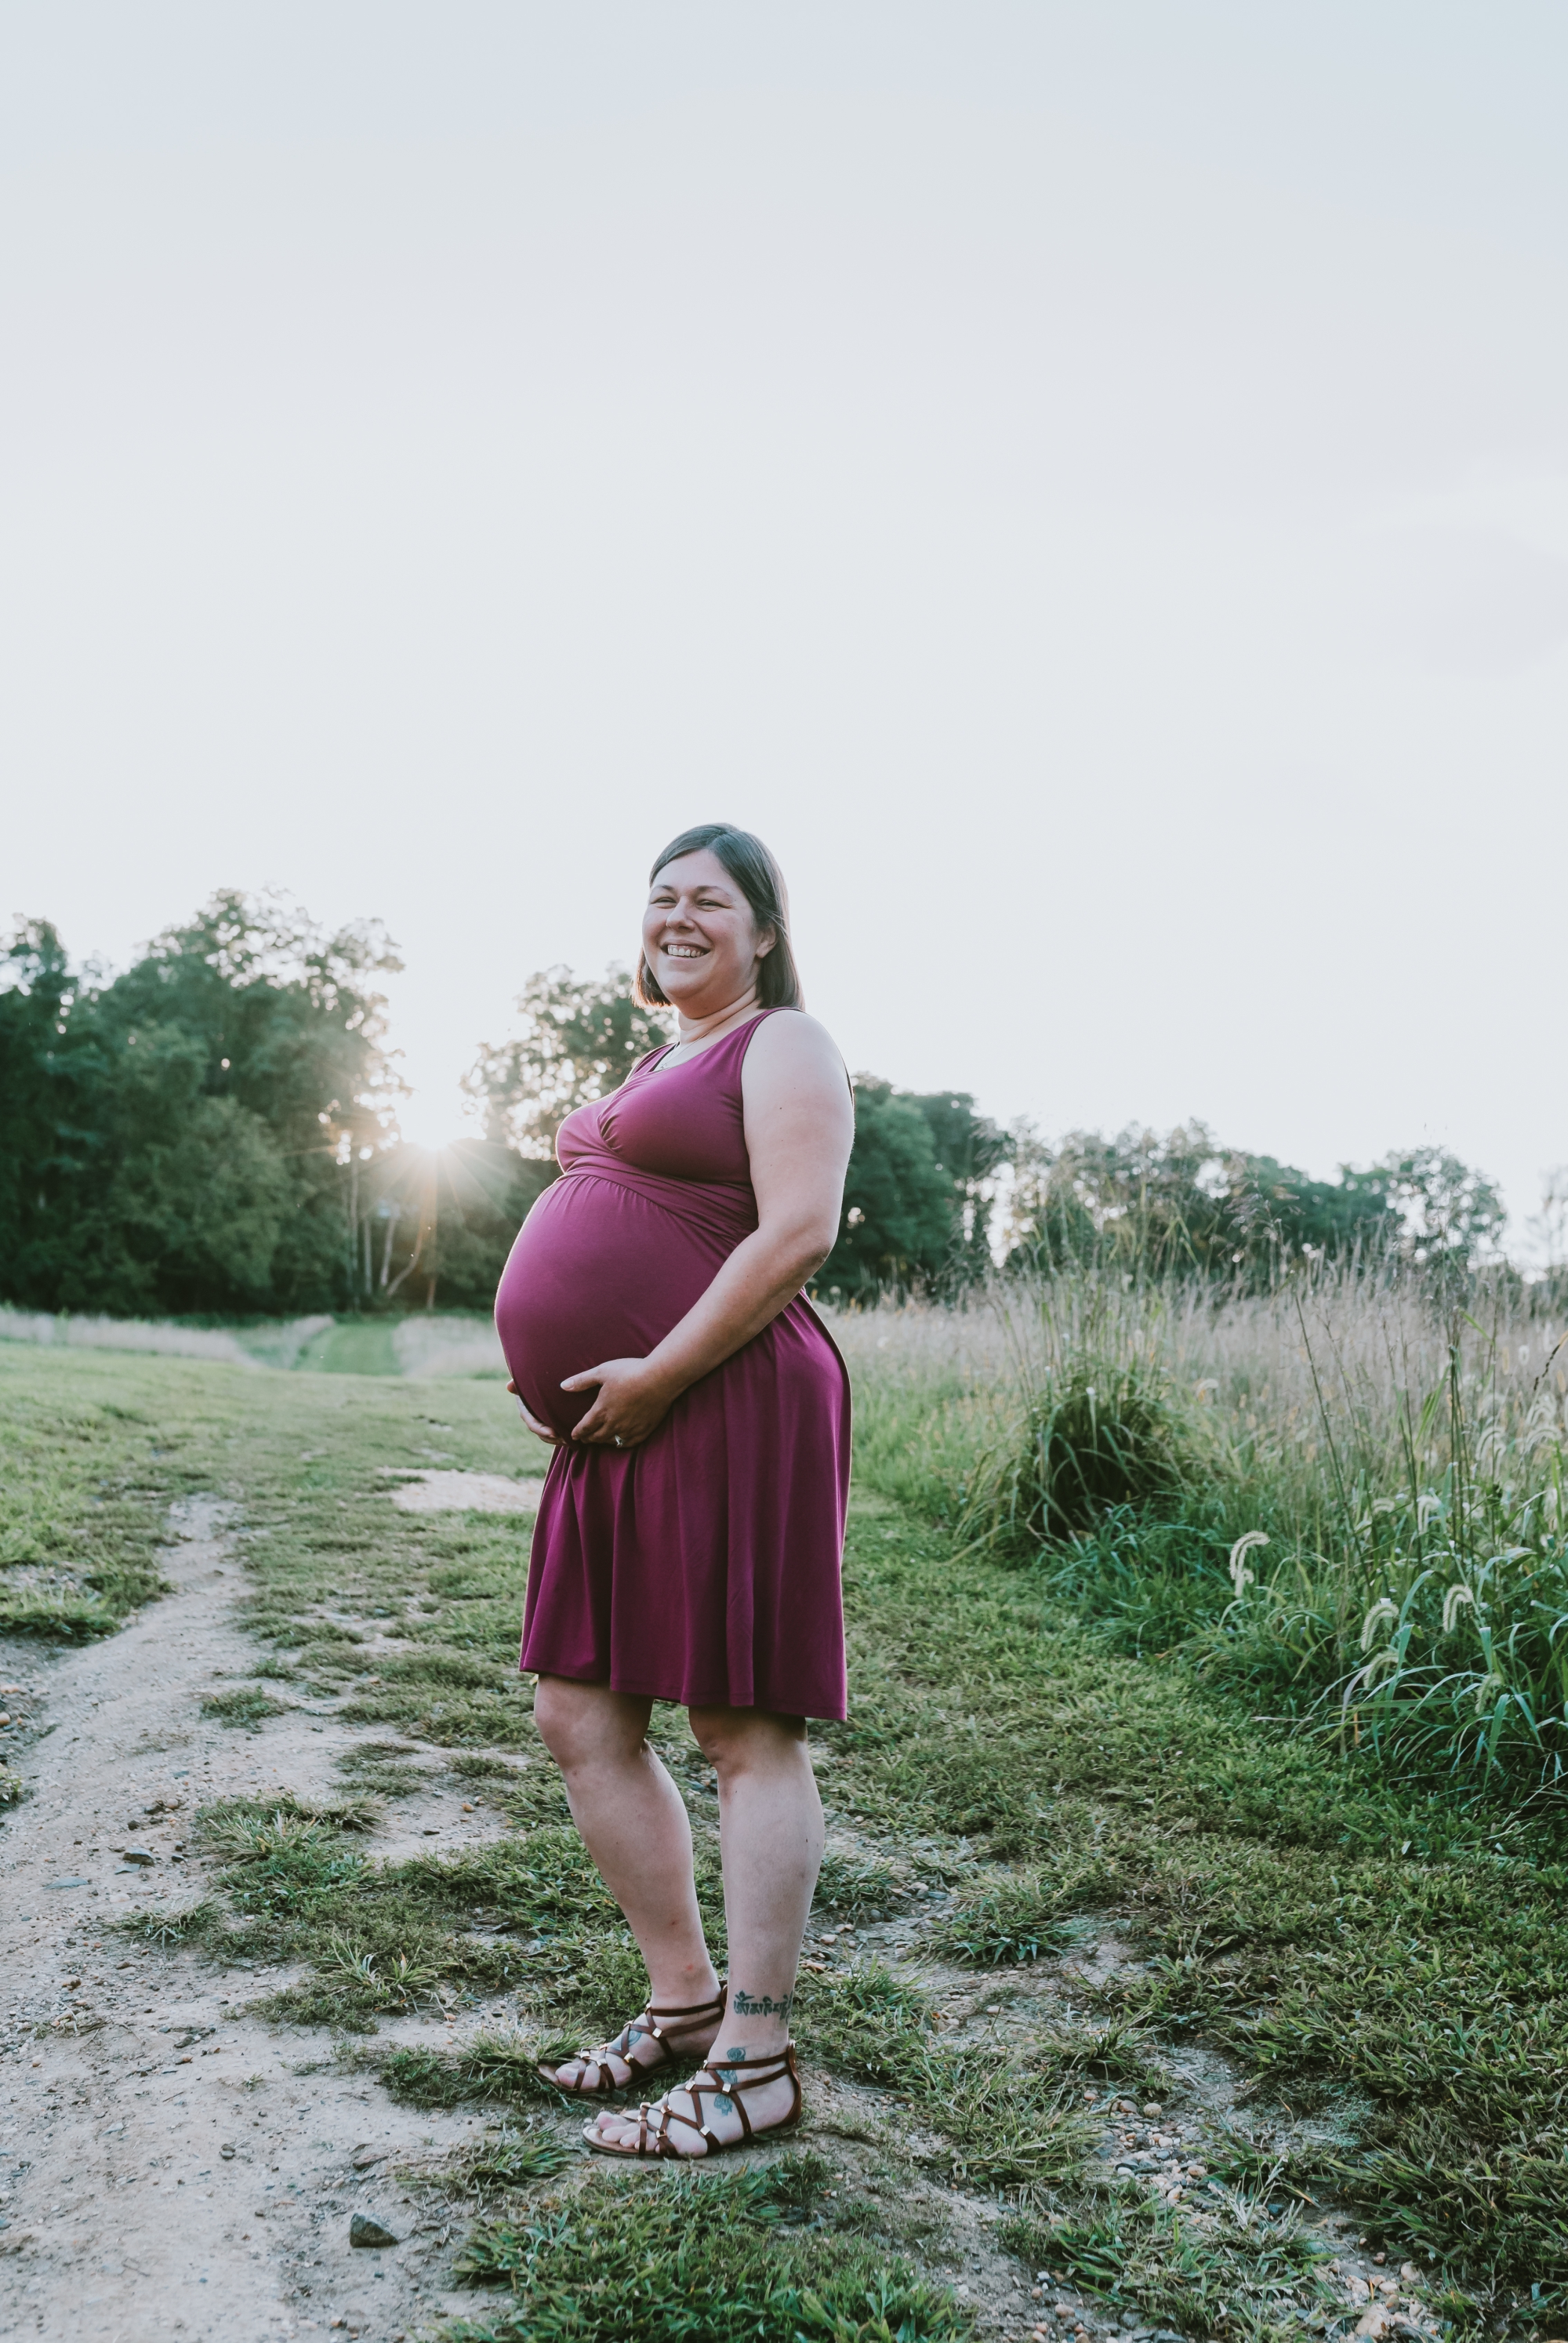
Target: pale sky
[1087,479]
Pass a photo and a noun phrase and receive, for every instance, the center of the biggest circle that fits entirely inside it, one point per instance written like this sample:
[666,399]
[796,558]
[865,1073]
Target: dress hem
[689,1699]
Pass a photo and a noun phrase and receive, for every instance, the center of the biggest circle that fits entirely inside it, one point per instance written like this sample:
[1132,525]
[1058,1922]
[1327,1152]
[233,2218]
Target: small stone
[227,2151]
[363,2231]
[1154,2108]
[364,2157]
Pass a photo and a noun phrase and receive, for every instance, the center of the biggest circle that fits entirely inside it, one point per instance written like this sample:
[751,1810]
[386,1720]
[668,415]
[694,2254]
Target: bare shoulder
[793,1051]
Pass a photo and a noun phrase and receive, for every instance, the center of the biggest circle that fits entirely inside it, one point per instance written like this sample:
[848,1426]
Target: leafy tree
[969,1148]
[189,1134]
[45,1083]
[1446,1211]
[899,1213]
[1151,1201]
[577,1039]
[1180,1202]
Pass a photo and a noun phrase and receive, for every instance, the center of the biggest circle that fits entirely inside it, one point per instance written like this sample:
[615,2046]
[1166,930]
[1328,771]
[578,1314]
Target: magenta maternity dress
[702,1565]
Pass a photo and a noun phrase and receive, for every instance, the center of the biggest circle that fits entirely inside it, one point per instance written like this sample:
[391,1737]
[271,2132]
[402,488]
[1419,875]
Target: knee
[556,1722]
[738,1740]
[575,1729]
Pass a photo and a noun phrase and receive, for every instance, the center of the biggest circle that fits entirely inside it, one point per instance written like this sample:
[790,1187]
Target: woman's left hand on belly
[540,1431]
[633,1400]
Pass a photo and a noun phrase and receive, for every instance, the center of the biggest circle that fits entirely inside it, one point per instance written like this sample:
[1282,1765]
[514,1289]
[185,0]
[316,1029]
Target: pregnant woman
[690,1532]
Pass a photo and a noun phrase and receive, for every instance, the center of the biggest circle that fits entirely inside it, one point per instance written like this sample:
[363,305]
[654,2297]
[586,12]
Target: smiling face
[700,937]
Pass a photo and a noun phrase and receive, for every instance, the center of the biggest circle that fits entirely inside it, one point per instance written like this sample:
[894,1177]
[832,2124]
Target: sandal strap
[694,2015]
[689,2020]
[692,2008]
[779,2063]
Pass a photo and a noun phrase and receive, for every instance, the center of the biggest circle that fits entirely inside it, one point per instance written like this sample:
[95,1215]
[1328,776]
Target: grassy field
[1144,1851]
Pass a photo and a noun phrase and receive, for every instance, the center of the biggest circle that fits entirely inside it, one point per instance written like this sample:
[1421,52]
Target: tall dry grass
[276,1343]
[1356,1506]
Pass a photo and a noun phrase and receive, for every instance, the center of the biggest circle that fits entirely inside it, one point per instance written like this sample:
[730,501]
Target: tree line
[213,1132]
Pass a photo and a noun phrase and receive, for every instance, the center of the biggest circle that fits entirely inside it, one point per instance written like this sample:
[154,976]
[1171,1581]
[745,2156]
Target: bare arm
[799,1126]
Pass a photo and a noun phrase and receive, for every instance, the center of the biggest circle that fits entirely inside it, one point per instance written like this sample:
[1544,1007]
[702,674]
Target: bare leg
[635,1826]
[770,1827]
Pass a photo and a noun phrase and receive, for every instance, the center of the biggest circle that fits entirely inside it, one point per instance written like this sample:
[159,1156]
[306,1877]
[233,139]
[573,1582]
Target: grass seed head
[1453,1602]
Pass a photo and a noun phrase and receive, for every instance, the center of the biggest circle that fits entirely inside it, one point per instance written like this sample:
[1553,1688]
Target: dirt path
[170,2166]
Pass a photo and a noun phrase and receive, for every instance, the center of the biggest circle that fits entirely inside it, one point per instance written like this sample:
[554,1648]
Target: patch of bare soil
[436,1491]
[169,2165]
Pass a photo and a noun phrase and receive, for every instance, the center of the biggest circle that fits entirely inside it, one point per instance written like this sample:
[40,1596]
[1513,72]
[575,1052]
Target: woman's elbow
[797,1248]
[816,1243]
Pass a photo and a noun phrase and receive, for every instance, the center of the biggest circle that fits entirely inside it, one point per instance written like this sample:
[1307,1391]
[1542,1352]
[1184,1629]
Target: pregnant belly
[597,1273]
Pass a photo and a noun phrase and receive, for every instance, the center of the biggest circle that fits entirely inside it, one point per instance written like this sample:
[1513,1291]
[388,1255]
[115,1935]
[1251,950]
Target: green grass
[676,2258]
[1347,1497]
[87,1473]
[355,1346]
[244,1705]
[1383,1956]
[1240,2267]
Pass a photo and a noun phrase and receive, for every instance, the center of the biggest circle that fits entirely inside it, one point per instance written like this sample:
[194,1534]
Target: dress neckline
[653,1062]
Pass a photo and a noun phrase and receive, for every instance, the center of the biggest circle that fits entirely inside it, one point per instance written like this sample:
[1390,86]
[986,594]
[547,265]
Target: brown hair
[761,882]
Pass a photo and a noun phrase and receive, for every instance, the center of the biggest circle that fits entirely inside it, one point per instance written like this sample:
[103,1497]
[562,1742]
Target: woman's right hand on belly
[540,1431]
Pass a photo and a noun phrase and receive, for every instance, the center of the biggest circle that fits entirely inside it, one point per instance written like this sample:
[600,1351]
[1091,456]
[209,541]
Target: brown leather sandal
[653,2122]
[663,2026]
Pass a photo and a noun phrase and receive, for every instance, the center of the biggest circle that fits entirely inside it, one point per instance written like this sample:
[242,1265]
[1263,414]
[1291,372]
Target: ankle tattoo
[762,2005]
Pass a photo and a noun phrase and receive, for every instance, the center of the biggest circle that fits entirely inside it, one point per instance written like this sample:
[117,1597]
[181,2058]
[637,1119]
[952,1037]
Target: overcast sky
[1087,479]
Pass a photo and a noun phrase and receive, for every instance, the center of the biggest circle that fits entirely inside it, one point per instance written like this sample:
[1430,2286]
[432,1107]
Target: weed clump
[498,2065]
[513,2160]
[858,1891]
[256,1829]
[197,1924]
[245,1704]
[1101,1436]
[381,1769]
[63,1619]
[1003,1927]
